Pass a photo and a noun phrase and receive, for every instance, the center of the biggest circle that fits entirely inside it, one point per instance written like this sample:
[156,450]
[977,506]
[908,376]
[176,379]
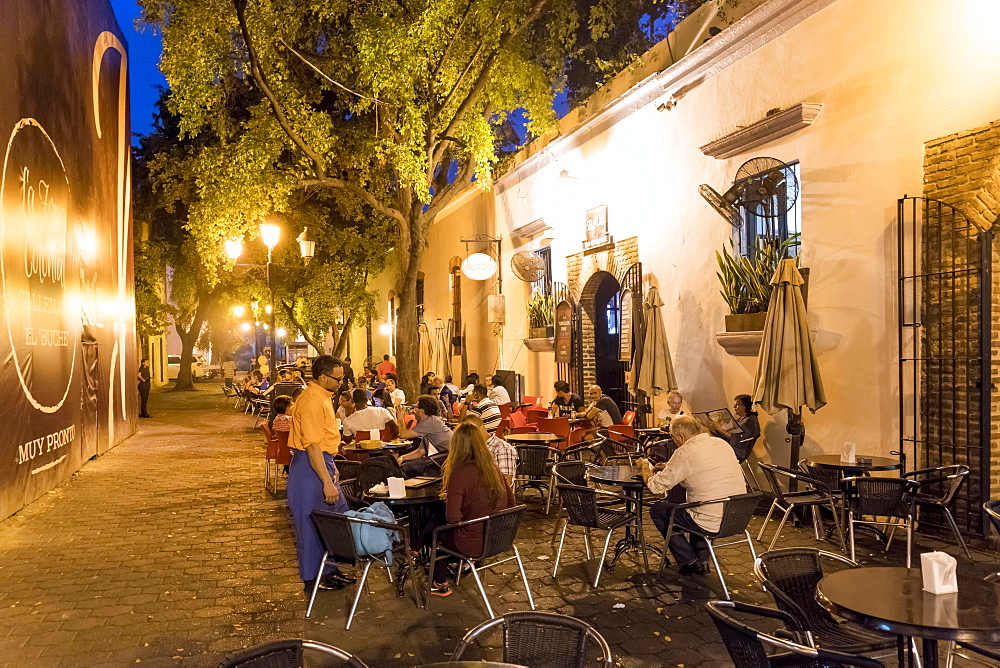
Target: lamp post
[270,234]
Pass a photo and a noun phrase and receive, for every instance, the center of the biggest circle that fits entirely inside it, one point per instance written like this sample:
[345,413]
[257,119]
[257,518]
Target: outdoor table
[629,479]
[892,599]
[358,454]
[533,438]
[855,468]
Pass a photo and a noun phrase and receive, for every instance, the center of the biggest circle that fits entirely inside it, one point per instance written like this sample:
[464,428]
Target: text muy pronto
[39,446]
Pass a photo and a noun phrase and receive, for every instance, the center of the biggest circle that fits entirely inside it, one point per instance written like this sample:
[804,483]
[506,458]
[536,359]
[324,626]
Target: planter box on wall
[541,344]
[541,332]
[746,322]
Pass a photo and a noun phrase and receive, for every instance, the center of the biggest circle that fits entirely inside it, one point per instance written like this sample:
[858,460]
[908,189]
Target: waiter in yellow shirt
[313,483]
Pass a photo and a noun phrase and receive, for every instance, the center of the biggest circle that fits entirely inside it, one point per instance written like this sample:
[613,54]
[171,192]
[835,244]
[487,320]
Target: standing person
[434,435]
[397,395]
[229,371]
[484,407]
[145,382]
[385,366]
[312,477]
[707,468]
[348,371]
[566,403]
[497,392]
[472,487]
[746,418]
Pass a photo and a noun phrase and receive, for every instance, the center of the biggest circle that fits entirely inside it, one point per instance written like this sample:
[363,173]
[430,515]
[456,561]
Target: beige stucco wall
[891,75]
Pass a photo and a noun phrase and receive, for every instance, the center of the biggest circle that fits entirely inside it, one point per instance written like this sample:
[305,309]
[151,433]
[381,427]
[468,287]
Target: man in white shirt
[497,392]
[367,418]
[707,468]
[398,396]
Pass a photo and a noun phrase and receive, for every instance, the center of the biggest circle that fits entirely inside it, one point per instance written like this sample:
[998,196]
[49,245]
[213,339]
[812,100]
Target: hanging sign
[597,228]
[625,328]
[564,333]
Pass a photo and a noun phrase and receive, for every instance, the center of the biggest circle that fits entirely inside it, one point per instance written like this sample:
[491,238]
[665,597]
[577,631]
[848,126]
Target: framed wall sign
[597,227]
[625,328]
[564,333]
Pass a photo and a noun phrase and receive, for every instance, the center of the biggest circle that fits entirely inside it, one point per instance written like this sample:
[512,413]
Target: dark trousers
[420,466]
[305,494]
[143,398]
[685,547]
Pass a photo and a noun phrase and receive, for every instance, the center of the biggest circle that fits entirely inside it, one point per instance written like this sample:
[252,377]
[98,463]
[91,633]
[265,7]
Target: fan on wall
[527,266]
[763,187]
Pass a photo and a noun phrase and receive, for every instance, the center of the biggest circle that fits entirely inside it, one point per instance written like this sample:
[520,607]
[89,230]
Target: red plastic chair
[270,451]
[283,456]
[455,408]
[576,436]
[517,419]
[409,421]
[387,434]
[625,429]
[533,414]
[504,410]
[628,418]
[502,427]
[527,429]
[558,426]
[531,401]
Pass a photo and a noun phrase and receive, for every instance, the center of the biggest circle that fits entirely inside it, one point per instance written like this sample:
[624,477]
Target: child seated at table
[279,419]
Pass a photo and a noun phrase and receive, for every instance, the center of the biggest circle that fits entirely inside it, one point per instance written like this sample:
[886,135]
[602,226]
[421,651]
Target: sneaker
[338,578]
[695,567]
[441,589]
[324,585]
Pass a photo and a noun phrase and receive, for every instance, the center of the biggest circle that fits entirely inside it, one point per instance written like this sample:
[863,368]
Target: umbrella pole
[797,435]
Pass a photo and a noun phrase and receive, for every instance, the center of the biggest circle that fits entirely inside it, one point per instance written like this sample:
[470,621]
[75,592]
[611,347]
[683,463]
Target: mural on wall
[67,342]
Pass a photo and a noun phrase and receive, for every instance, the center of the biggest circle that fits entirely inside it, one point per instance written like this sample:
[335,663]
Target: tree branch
[364,194]
[290,312]
[451,42]
[448,193]
[318,164]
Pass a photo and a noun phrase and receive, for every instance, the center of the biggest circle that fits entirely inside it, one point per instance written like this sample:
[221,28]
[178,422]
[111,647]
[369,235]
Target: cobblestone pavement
[168,551]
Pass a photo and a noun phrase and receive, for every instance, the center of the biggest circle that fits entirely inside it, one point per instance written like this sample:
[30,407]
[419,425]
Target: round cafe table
[629,479]
[533,438]
[892,599]
[356,453]
[833,462]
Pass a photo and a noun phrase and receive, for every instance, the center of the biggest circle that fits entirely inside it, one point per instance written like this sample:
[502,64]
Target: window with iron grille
[456,310]
[544,284]
[757,223]
[420,298]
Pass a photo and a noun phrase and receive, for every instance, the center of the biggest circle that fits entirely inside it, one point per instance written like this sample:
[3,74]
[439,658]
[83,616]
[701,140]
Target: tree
[389,106]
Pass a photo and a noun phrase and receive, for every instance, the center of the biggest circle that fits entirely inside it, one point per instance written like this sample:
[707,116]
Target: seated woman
[674,402]
[472,487]
[746,418]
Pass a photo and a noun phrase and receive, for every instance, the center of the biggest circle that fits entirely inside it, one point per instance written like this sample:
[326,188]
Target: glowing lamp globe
[270,234]
[234,248]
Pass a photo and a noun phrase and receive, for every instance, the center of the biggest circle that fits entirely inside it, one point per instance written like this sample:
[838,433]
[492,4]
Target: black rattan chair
[337,535]
[346,468]
[583,510]
[938,487]
[992,510]
[499,532]
[890,498]
[812,494]
[737,511]
[352,493]
[745,644]
[791,576]
[534,468]
[540,639]
[377,470]
[288,654]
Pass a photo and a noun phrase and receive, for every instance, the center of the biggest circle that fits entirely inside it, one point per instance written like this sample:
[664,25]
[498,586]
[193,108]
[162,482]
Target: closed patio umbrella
[443,348]
[652,370]
[787,372]
[426,340]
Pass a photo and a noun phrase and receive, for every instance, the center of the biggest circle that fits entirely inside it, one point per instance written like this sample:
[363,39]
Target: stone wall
[961,170]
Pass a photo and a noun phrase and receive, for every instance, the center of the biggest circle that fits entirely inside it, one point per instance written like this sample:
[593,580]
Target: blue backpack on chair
[372,541]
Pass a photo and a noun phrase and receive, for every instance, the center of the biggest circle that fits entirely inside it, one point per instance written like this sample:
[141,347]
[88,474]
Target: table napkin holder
[938,572]
[397,488]
[848,453]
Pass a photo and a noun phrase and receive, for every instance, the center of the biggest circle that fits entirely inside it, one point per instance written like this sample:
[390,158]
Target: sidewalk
[168,551]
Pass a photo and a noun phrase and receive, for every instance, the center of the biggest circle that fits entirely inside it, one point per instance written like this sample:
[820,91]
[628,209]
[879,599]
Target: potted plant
[541,316]
[746,282]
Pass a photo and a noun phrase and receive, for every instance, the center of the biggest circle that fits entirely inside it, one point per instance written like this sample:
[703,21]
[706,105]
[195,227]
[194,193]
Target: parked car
[174,367]
[211,370]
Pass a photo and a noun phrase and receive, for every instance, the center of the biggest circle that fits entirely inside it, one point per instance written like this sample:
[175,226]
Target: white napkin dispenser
[397,488]
[848,452]
[938,571]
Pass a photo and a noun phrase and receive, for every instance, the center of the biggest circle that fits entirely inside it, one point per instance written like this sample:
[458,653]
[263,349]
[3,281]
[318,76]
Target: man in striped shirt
[485,408]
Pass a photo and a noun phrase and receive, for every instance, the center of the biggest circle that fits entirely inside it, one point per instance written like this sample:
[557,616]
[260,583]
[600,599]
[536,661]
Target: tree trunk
[185,379]
[341,348]
[407,338]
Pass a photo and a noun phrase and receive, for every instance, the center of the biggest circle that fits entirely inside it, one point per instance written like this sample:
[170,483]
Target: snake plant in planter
[540,316]
[746,282]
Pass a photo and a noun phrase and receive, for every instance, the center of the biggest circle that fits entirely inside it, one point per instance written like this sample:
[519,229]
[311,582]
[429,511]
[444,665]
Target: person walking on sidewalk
[144,385]
[313,482]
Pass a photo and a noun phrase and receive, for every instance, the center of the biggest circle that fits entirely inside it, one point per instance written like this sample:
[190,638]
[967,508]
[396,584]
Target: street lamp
[238,311]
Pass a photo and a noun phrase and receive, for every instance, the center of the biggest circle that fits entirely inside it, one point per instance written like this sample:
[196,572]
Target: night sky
[144,50]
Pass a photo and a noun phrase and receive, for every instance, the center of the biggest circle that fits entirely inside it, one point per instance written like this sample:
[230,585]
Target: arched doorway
[608,370]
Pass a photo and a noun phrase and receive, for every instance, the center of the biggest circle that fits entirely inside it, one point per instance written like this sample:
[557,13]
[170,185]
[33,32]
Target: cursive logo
[45,250]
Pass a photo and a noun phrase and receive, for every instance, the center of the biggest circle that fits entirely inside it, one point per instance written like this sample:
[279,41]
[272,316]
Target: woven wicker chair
[583,509]
[377,470]
[791,576]
[737,511]
[337,535]
[352,494]
[289,654]
[540,639]
[891,498]
[347,468]
[499,532]
[745,644]
[938,488]
[813,495]
[534,468]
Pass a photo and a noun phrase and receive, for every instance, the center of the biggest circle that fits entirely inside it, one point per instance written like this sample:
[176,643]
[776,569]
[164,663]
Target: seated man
[566,403]
[397,395]
[602,412]
[443,411]
[482,406]
[367,418]
[498,393]
[434,435]
[447,395]
[503,451]
[707,468]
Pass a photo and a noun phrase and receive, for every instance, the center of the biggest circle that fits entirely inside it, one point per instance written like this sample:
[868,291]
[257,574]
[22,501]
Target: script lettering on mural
[41,325]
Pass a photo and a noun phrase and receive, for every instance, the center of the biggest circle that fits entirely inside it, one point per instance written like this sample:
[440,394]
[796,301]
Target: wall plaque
[564,333]
[625,328]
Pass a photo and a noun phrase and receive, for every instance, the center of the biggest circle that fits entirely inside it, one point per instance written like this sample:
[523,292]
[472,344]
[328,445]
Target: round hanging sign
[479,267]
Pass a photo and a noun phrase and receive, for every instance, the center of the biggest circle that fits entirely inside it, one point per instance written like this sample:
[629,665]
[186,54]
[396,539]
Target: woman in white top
[498,393]
[673,409]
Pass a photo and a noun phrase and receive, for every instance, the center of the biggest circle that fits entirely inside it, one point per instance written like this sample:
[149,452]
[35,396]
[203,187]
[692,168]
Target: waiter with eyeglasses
[313,483]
